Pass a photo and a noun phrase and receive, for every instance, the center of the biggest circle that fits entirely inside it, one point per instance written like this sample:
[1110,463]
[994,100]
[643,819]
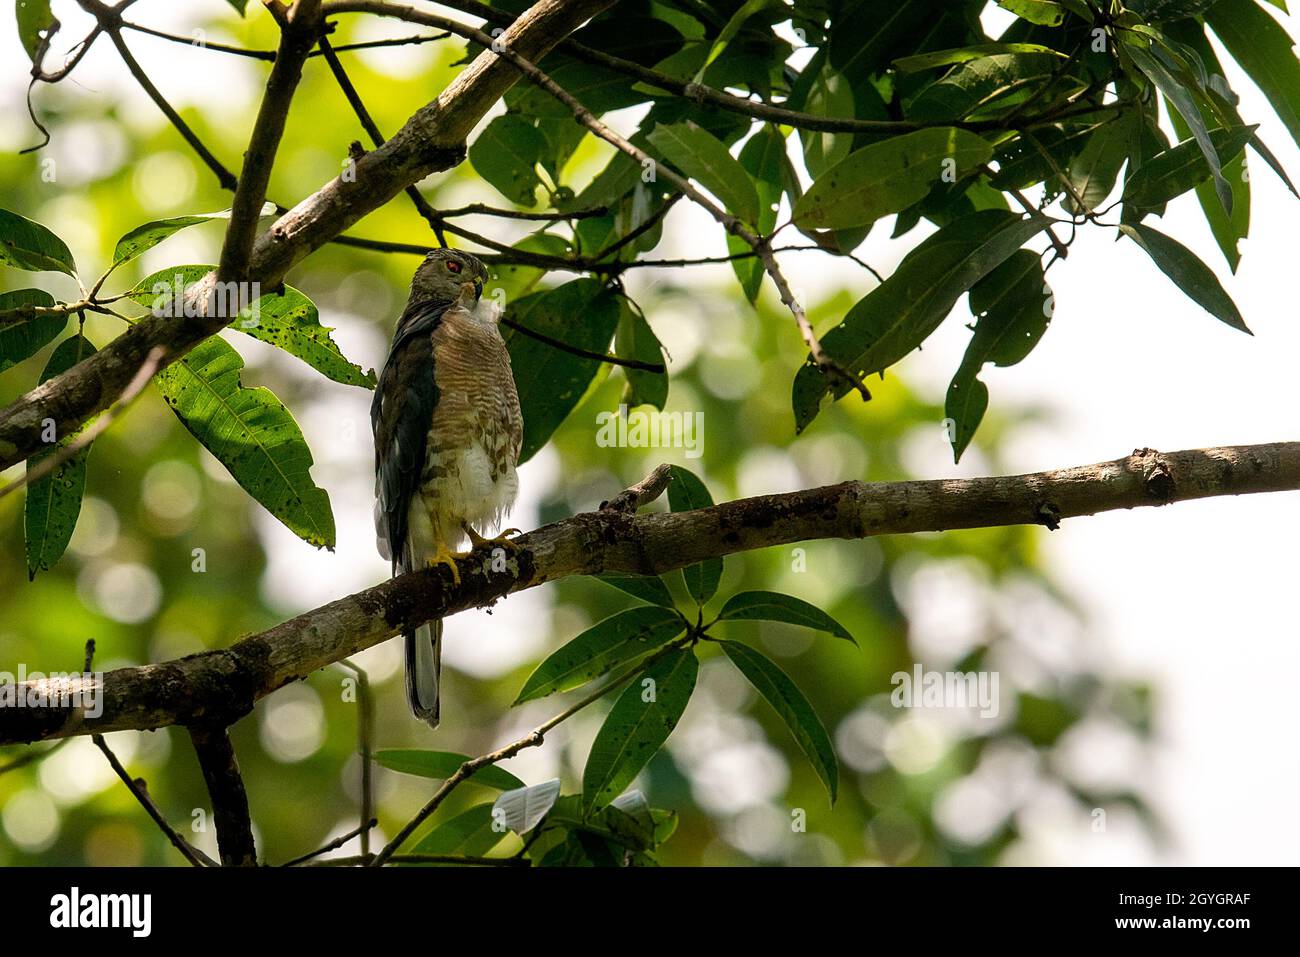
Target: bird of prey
[447,432]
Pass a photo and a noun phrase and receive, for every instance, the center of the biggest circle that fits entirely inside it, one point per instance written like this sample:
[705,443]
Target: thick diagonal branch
[214,685]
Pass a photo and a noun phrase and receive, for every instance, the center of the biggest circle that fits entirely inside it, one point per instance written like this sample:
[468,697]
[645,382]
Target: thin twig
[583,353]
[229,799]
[365,727]
[138,788]
[363,831]
[360,860]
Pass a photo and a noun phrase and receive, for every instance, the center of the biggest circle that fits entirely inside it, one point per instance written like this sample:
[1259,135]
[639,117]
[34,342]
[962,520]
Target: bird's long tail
[424,671]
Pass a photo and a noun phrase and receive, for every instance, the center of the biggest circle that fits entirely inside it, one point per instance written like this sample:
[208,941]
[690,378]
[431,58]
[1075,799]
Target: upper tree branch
[216,684]
[297,37]
[431,140]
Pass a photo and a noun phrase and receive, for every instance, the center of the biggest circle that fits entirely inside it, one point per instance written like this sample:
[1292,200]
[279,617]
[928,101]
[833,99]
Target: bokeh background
[1146,659]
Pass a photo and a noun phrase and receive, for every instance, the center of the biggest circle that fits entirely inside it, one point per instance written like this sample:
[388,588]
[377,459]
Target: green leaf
[617,640]
[290,321]
[22,340]
[979,89]
[143,238]
[468,834]
[1264,50]
[830,96]
[629,823]
[764,157]
[1012,306]
[649,588]
[1045,13]
[34,19]
[1181,168]
[732,27]
[506,154]
[635,339]
[789,702]
[1182,100]
[938,58]
[703,157]
[1095,169]
[252,434]
[900,313]
[637,726]
[29,245]
[889,176]
[1191,275]
[551,382]
[287,320]
[773,606]
[687,492]
[54,502]
[441,765]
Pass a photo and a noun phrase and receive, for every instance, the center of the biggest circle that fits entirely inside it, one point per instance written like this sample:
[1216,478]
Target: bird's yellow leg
[445,556]
[477,541]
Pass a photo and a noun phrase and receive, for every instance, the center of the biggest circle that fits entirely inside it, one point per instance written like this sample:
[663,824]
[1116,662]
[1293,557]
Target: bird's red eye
[453,265]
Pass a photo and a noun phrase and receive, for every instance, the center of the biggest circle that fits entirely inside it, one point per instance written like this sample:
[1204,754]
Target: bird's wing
[400,415]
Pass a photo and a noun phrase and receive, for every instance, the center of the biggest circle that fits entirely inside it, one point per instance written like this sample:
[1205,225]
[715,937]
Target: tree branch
[229,800]
[214,685]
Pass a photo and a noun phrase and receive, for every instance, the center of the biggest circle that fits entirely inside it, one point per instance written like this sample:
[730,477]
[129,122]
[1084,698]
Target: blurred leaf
[239,5]
[1191,275]
[635,339]
[649,588]
[637,726]
[552,382]
[773,606]
[900,313]
[789,702]
[687,492]
[702,156]
[22,340]
[617,640]
[54,502]
[252,434]
[1012,306]
[29,245]
[506,154]
[1042,721]
[441,765]
[889,176]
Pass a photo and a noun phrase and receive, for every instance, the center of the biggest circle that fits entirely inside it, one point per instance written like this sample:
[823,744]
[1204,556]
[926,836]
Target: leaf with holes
[252,434]
[637,726]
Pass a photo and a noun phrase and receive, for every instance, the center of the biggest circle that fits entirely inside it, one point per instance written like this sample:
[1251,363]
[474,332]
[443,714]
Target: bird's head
[445,272]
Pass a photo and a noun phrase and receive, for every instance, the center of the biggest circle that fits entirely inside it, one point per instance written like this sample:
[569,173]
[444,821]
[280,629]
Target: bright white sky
[1197,597]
